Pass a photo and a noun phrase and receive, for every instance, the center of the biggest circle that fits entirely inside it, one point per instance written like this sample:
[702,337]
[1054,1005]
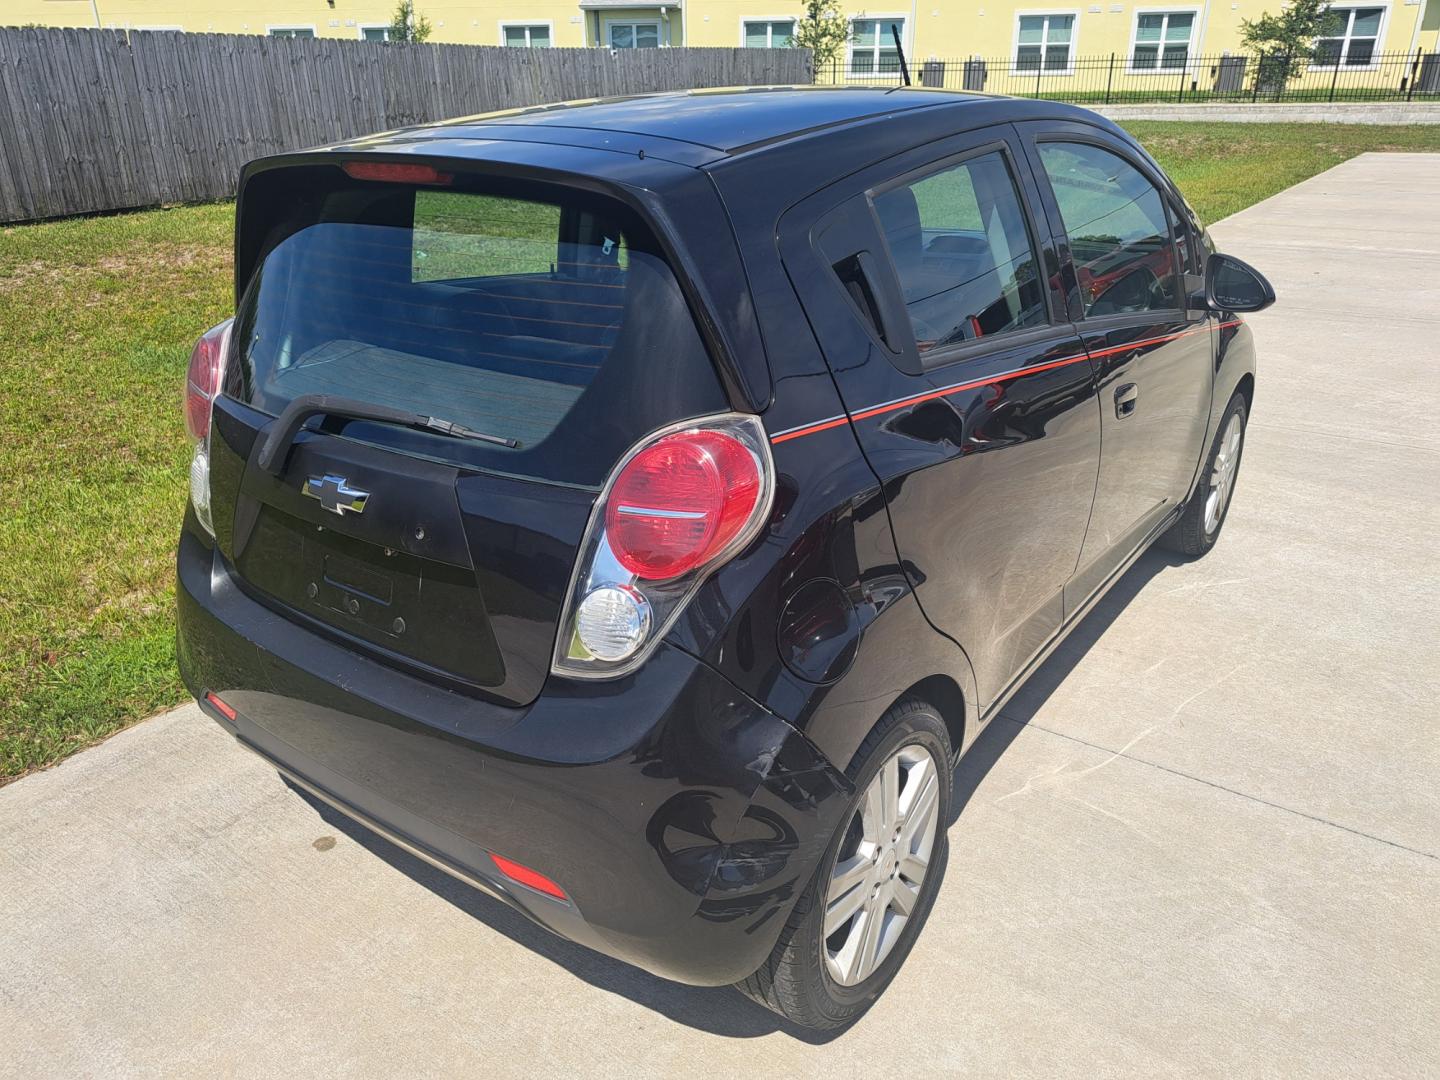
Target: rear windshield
[547,316]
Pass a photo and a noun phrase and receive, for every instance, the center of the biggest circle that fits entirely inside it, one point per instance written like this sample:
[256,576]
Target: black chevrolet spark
[635,508]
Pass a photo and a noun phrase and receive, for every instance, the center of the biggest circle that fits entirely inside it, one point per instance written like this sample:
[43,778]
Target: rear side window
[962,253]
[1120,236]
[553,320]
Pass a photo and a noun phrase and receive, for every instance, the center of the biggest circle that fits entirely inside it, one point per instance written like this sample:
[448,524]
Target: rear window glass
[555,322]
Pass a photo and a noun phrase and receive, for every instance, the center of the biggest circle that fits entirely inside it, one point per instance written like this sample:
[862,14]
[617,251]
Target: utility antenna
[900,51]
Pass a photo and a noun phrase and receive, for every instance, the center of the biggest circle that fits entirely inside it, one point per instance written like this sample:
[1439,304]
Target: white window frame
[270,30]
[875,73]
[657,22]
[1194,12]
[528,25]
[1349,10]
[769,20]
[362,27]
[1016,71]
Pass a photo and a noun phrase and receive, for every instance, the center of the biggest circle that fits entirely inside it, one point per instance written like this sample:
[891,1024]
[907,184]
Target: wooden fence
[106,120]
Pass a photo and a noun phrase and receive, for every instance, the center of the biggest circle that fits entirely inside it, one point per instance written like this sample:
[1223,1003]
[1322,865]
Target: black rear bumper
[681,818]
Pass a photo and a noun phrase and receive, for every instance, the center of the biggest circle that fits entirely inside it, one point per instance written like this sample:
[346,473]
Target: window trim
[967,350]
[657,22]
[1158,69]
[360,29]
[528,25]
[771,20]
[292,27]
[1345,38]
[1047,13]
[903,19]
[1175,219]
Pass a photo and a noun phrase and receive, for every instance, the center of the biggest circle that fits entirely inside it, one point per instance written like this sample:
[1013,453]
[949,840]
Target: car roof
[728,120]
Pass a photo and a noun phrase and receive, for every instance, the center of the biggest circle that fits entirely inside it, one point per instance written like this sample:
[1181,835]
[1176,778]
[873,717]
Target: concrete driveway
[1205,839]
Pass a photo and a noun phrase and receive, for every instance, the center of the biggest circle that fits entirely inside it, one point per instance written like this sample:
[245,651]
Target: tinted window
[556,323]
[962,253]
[1119,235]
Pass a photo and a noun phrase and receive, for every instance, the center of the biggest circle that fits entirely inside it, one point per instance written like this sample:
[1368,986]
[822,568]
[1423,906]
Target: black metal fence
[1121,78]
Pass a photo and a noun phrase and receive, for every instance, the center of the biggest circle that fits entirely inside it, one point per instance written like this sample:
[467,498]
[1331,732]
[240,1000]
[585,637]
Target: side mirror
[1231,285]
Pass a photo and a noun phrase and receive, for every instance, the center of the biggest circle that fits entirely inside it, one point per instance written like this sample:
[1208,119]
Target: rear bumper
[681,818]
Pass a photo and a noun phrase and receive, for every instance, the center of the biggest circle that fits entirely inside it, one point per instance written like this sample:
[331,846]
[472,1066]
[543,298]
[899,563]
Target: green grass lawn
[97,316]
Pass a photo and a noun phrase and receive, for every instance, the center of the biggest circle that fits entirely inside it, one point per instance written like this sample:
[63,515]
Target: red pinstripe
[991,380]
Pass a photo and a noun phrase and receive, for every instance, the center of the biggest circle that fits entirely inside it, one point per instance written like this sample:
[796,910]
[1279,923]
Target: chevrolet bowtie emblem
[335,494]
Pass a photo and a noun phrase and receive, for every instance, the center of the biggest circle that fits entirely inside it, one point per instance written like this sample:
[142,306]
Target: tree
[824,30]
[405,25]
[1287,42]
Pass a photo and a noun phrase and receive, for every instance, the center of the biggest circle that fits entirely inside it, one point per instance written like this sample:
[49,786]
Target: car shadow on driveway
[721,1010]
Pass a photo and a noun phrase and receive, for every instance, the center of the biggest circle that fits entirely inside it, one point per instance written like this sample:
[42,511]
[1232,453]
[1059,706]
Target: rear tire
[892,833]
[1199,526]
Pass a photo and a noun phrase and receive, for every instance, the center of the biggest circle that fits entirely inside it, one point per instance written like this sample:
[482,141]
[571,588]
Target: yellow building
[1124,43]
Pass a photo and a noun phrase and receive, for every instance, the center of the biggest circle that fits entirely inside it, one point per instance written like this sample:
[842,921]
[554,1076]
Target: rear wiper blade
[288,424]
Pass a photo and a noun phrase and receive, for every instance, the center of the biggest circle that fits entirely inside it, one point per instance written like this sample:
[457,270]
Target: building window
[1357,33]
[1162,40]
[292,31]
[1044,42]
[769,34]
[526,37]
[872,46]
[378,32]
[634,35]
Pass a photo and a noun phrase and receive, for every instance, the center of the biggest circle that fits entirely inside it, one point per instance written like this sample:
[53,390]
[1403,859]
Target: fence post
[1259,74]
[1335,76]
[1414,76]
[1184,71]
[1110,79]
[1038,69]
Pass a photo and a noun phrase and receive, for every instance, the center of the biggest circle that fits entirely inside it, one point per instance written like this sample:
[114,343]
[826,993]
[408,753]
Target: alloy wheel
[1222,475]
[881,865]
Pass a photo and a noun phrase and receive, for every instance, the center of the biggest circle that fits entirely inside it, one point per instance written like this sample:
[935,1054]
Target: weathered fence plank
[107,120]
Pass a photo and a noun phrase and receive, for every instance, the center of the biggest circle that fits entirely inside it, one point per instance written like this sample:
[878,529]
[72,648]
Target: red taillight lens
[678,502]
[525,876]
[393,172]
[202,381]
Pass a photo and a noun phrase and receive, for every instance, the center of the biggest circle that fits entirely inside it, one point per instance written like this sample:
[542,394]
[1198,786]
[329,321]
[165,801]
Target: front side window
[1120,237]
[962,254]
[1043,42]
[1162,40]
[636,35]
[292,31]
[375,33]
[872,46]
[769,34]
[1355,39]
[527,37]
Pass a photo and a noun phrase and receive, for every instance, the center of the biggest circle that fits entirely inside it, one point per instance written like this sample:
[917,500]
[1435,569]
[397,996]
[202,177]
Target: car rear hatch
[542,320]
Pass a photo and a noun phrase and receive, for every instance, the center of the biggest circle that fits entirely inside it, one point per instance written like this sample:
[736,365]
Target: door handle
[1126,398]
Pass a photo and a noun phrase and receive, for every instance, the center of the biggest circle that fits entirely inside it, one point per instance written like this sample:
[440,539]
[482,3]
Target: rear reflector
[395,172]
[525,876]
[225,710]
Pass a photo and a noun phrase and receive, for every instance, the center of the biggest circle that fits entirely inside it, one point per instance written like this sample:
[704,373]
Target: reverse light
[202,385]
[678,506]
[531,878]
[613,622]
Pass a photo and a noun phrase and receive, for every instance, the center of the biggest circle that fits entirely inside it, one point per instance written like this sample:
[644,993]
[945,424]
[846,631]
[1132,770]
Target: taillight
[679,501]
[202,386]
[202,381]
[677,507]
